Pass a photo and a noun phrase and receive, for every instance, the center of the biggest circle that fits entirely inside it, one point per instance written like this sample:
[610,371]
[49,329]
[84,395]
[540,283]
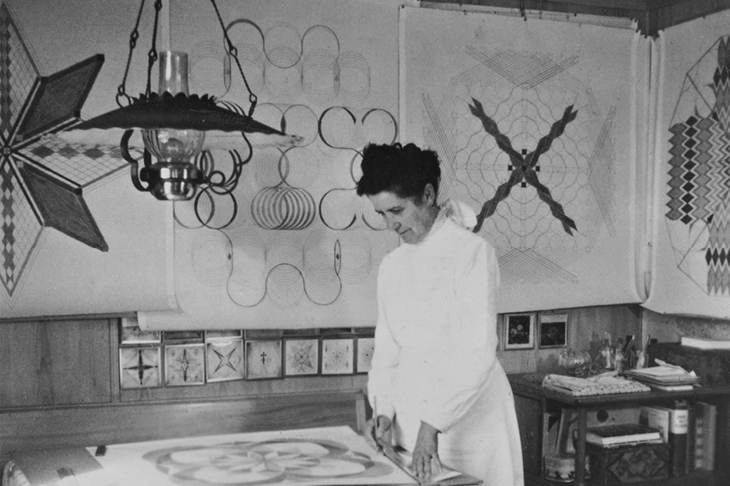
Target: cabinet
[532,401]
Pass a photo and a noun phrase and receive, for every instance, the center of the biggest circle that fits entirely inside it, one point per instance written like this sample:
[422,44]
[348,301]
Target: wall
[59,363]
[67,362]
[670,328]
[587,326]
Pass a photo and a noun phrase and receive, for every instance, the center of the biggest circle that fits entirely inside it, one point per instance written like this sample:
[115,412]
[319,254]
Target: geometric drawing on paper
[698,193]
[225,360]
[140,367]
[184,364]
[301,357]
[523,138]
[41,178]
[348,129]
[338,356]
[316,91]
[263,359]
[287,460]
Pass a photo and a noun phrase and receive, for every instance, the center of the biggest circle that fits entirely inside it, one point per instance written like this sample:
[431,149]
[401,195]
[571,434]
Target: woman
[436,385]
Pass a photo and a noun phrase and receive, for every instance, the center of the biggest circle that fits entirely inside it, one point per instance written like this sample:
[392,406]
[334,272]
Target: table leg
[580,449]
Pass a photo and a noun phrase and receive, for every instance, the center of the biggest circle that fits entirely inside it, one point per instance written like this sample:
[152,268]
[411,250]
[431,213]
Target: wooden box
[712,366]
[628,464]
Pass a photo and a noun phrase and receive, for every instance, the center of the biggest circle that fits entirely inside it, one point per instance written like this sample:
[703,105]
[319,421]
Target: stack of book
[689,429]
[622,434]
[702,343]
[665,377]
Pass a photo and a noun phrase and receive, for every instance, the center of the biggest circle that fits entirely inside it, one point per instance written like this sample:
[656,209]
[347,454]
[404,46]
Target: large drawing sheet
[561,219]
[306,457]
[691,265]
[63,204]
[304,249]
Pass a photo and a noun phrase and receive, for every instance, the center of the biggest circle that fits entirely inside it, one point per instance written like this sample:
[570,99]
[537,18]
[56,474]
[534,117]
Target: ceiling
[651,15]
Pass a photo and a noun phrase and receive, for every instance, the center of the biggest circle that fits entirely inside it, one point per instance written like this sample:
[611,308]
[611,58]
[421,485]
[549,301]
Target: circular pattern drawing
[272,461]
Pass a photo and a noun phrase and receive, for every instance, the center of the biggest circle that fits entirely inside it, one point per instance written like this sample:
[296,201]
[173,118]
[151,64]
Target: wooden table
[527,389]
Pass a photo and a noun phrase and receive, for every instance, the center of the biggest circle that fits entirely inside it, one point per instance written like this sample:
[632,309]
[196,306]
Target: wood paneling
[587,326]
[90,426]
[55,363]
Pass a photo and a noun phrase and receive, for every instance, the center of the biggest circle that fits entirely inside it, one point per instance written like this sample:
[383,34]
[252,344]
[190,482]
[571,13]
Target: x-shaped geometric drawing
[524,166]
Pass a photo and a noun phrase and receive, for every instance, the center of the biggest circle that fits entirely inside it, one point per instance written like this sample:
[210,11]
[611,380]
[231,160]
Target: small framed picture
[263,359]
[553,330]
[338,356]
[224,360]
[365,348]
[184,364]
[301,356]
[519,331]
[140,367]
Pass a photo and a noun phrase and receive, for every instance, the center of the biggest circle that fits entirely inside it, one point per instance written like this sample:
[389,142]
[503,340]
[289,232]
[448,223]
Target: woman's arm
[469,353]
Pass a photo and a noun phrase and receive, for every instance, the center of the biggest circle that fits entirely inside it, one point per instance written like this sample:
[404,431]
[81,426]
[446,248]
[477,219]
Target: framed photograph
[301,356]
[553,330]
[519,331]
[338,356]
[184,364]
[263,359]
[224,360]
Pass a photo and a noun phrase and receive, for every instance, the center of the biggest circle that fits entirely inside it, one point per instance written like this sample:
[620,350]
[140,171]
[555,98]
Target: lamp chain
[233,52]
[152,54]
[134,36]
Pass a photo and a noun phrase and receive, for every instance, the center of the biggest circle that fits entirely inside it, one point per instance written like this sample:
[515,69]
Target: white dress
[435,353]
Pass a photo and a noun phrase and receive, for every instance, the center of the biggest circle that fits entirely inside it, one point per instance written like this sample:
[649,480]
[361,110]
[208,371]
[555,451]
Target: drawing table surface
[306,457]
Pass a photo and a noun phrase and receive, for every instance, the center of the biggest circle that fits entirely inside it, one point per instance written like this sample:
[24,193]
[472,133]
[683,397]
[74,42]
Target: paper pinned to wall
[77,237]
[691,261]
[533,123]
[303,250]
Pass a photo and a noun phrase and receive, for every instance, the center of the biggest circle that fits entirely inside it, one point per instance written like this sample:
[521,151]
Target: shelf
[527,387]
[699,478]
[532,400]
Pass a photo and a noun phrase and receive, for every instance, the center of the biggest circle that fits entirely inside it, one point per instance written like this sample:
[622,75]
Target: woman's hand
[378,429]
[426,462]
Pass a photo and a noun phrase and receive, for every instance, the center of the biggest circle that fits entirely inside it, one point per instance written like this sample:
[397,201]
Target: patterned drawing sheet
[317,456]
[77,238]
[534,122]
[691,261]
[303,250]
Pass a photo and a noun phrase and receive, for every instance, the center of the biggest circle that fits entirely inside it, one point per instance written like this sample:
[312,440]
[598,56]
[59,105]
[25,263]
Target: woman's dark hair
[404,171]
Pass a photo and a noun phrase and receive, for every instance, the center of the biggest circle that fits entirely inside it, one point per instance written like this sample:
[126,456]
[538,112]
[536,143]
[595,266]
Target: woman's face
[411,220]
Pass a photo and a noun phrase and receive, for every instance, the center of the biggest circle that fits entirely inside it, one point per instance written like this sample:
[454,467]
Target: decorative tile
[140,367]
[184,364]
[365,347]
[225,360]
[337,356]
[263,359]
[301,356]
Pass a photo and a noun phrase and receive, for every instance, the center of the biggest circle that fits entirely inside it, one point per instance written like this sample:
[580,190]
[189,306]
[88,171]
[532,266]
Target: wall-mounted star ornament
[41,180]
